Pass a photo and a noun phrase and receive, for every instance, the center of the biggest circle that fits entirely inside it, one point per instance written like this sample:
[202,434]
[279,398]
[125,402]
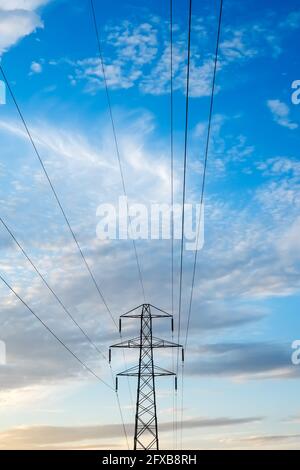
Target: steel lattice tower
[146,428]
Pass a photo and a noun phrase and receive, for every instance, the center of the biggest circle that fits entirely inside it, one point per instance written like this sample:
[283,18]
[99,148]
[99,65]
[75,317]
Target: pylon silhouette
[146,427]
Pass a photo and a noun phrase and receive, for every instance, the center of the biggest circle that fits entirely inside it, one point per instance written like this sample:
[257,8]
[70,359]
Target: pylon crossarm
[136,343]
[130,343]
[165,314]
[131,314]
[134,372]
[163,343]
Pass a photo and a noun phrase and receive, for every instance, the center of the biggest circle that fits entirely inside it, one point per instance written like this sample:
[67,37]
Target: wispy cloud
[18,18]
[43,437]
[292,21]
[262,441]
[148,43]
[245,265]
[281,114]
[36,67]
[244,361]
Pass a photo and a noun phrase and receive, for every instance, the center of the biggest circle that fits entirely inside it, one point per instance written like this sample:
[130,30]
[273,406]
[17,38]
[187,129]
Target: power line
[51,289]
[71,352]
[205,162]
[55,194]
[172,191]
[172,152]
[184,169]
[122,418]
[115,139]
[54,334]
[184,185]
[72,233]
[119,161]
[202,190]
[66,220]
[116,142]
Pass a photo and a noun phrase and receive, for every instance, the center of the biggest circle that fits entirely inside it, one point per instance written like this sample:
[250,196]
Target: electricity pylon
[146,429]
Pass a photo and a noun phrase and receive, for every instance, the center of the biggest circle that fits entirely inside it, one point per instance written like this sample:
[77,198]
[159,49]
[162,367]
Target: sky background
[241,388]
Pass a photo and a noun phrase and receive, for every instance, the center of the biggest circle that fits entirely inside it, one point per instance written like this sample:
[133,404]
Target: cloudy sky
[241,388]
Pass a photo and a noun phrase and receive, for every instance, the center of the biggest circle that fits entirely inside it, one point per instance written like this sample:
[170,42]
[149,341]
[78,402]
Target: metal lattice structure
[146,427]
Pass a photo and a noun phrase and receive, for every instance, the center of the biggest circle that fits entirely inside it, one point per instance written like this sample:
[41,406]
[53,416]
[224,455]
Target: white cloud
[139,55]
[127,42]
[280,196]
[90,71]
[244,263]
[139,42]
[237,46]
[36,67]
[95,436]
[21,4]
[292,21]
[18,19]
[281,114]
[280,166]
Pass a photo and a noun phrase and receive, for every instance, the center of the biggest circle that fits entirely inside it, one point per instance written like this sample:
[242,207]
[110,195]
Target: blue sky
[241,388]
